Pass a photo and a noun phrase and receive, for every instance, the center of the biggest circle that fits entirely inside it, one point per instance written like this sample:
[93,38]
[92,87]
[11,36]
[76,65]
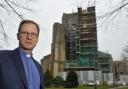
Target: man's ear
[18,36]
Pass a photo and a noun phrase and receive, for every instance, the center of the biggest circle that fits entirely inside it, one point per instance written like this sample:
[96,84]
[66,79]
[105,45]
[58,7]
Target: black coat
[12,73]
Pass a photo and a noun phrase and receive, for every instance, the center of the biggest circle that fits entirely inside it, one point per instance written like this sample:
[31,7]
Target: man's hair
[25,22]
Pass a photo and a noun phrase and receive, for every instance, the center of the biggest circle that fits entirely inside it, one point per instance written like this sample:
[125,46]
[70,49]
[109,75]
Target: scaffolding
[88,37]
[81,42]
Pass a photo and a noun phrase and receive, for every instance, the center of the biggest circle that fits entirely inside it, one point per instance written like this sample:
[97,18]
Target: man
[18,69]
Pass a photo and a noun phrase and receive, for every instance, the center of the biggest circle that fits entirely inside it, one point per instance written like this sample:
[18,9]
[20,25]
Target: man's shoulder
[4,55]
[6,52]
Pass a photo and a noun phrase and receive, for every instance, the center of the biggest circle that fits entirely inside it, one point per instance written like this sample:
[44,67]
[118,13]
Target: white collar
[28,55]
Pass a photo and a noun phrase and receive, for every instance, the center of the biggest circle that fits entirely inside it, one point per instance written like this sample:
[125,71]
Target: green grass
[82,87]
[123,87]
[89,87]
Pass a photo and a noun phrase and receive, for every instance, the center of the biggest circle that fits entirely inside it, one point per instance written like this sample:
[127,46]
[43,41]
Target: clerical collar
[28,55]
[25,53]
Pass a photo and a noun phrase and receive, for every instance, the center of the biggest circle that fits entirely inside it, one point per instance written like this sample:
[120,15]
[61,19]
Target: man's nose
[29,35]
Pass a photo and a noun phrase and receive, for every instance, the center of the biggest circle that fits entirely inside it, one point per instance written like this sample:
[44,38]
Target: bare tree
[12,9]
[111,15]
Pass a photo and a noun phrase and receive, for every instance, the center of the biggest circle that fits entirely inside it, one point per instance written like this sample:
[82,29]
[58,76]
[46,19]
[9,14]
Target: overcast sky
[111,38]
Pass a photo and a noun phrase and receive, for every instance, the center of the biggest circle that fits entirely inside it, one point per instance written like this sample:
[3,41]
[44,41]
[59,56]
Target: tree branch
[2,5]
[112,12]
[20,16]
[19,6]
[3,32]
[108,17]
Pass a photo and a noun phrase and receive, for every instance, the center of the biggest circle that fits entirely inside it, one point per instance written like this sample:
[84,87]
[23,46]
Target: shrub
[48,78]
[58,81]
[71,80]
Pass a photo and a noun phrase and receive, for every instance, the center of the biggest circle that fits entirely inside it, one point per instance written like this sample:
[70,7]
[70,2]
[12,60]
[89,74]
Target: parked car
[110,83]
[91,82]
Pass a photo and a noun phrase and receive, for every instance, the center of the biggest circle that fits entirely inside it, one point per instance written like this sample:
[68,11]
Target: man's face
[28,36]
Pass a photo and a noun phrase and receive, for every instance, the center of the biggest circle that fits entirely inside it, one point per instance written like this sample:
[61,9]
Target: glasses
[33,35]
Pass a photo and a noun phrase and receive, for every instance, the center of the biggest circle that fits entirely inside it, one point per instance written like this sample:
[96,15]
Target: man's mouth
[28,42]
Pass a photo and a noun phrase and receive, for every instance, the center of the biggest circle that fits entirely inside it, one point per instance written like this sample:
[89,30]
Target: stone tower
[58,48]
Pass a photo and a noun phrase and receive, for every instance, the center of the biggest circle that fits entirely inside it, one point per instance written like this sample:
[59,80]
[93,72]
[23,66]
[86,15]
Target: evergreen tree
[58,81]
[71,79]
[48,78]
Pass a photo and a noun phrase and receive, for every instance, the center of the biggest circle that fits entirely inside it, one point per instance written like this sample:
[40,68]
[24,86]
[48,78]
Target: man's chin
[27,48]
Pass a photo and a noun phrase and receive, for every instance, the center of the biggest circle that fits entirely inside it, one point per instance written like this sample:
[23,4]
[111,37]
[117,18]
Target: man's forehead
[29,25]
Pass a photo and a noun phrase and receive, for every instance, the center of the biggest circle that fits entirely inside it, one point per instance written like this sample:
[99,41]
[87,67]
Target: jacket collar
[20,69]
[19,66]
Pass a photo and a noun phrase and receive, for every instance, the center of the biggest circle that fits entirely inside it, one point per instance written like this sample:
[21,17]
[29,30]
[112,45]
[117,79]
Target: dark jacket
[12,73]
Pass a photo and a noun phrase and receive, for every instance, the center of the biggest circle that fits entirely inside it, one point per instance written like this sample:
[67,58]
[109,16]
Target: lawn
[82,87]
[123,87]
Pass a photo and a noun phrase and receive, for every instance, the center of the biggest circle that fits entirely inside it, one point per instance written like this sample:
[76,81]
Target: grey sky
[110,40]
